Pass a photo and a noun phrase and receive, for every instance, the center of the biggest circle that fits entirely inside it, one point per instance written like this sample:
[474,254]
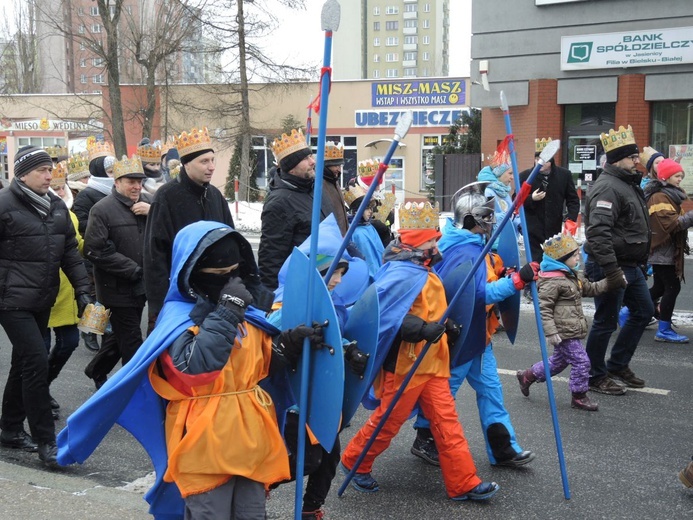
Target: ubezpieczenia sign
[631,49]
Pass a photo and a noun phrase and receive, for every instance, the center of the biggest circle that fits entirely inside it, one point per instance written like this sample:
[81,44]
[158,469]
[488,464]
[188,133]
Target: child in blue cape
[365,236]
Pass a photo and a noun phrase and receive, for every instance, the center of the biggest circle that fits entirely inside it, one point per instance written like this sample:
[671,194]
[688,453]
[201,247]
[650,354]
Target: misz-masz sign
[627,49]
[434,92]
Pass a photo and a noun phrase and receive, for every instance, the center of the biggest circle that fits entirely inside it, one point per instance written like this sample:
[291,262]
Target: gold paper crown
[613,140]
[196,140]
[646,154]
[94,319]
[540,144]
[387,204]
[59,174]
[56,151]
[368,168]
[128,167]
[174,168]
[334,151]
[170,143]
[559,245]
[98,149]
[352,193]
[287,144]
[150,153]
[78,164]
[418,215]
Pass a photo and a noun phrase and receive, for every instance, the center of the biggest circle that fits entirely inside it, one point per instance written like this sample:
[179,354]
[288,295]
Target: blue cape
[368,241]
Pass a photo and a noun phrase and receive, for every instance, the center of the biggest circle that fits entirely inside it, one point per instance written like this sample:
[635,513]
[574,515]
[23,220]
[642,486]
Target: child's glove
[414,329]
[554,339]
[453,330]
[290,343]
[235,297]
[355,358]
[528,273]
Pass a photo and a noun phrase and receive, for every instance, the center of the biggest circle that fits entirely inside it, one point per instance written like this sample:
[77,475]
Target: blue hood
[454,236]
[549,264]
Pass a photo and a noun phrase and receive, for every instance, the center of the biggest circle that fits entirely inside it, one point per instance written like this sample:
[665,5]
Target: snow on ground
[248,216]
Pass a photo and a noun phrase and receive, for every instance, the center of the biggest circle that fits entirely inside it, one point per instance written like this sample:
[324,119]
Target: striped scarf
[41,203]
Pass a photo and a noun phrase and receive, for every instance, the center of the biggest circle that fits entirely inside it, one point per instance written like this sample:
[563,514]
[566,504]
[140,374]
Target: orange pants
[435,399]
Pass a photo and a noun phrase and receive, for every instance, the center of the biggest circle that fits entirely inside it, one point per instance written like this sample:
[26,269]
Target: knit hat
[96,167]
[648,156]
[108,162]
[323,263]
[290,162]
[667,168]
[222,253]
[28,158]
[499,170]
[619,144]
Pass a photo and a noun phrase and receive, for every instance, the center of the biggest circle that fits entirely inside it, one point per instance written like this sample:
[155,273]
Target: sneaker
[686,475]
[582,402]
[48,454]
[483,491]
[318,514]
[426,449]
[628,377]
[363,482]
[20,440]
[520,459]
[524,381]
[653,321]
[606,386]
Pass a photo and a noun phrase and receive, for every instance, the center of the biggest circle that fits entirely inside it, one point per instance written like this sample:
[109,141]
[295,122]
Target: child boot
[686,475]
[582,402]
[668,335]
[525,378]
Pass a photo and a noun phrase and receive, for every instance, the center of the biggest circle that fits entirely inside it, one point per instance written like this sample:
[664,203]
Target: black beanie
[621,152]
[289,162]
[192,155]
[222,253]
[28,158]
[96,167]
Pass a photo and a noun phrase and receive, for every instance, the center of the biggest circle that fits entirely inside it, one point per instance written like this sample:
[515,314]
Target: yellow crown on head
[617,139]
[196,140]
[353,193]
[56,151]
[418,215]
[98,149]
[334,152]
[150,153]
[170,143]
[59,174]
[559,245]
[387,204]
[368,168]
[540,144]
[78,165]
[128,166]
[287,144]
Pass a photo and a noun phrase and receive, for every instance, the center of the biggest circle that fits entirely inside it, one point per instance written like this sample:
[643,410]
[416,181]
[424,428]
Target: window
[411,40]
[97,62]
[82,63]
[395,175]
[428,159]
[410,72]
[83,78]
[427,24]
[376,74]
[426,40]
[111,10]
[82,46]
[392,40]
[392,73]
[81,29]
[376,42]
[41,142]
[427,8]
[376,11]
[96,28]
[672,127]
[80,11]
[391,26]
[98,79]
[426,56]
[410,24]
[392,9]
[425,72]
[393,56]
[376,58]
[376,26]
[409,56]
[410,8]
[94,11]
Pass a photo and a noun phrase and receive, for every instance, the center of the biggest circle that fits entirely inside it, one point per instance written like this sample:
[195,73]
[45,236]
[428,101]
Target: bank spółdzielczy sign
[627,49]
[434,92]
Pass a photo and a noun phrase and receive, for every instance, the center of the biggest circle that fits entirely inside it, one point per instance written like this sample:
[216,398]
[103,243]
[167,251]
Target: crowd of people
[208,392]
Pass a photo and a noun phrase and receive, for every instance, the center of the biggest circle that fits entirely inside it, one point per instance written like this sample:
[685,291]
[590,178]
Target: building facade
[572,69]
[385,39]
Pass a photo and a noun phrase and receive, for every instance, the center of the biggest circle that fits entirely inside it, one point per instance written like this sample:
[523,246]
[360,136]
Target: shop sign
[630,49]
[418,93]
[49,125]
[374,118]
[683,154]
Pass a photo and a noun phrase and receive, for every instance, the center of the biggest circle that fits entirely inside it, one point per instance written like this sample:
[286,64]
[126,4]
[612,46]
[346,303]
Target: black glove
[453,330]
[615,279]
[291,341]
[357,359]
[433,331]
[235,297]
[414,329]
[83,299]
[263,298]
[528,272]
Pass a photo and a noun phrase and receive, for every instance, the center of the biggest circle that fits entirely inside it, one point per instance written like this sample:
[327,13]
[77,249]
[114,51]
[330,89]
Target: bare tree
[19,71]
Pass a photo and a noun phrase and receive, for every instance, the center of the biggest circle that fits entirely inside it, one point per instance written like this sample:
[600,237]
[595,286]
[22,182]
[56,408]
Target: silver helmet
[472,208]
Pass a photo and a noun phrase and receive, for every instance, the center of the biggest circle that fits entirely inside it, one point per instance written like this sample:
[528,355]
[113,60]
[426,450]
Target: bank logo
[580,52]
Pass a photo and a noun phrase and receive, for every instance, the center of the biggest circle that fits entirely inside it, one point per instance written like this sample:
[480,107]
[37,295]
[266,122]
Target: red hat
[667,168]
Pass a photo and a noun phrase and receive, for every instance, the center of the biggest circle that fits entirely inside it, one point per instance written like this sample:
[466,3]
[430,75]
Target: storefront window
[428,142]
[672,126]
[395,175]
[41,142]
[349,142]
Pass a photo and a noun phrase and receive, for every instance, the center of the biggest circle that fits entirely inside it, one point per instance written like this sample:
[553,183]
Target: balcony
[410,16]
[408,31]
[410,1]
[410,46]
[409,63]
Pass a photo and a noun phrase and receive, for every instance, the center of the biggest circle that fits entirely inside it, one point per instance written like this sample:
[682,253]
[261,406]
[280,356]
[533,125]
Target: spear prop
[546,154]
[403,124]
[330,22]
[524,191]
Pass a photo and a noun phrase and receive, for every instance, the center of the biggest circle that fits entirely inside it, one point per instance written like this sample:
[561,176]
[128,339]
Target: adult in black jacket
[617,228]
[333,200]
[114,243]
[37,239]
[552,190]
[187,199]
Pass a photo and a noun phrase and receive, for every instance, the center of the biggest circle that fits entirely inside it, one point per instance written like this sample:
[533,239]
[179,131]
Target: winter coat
[617,223]
[286,220]
[114,242]
[669,225]
[64,310]
[560,301]
[334,200]
[32,251]
[175,205]
[544,217]
[84,201]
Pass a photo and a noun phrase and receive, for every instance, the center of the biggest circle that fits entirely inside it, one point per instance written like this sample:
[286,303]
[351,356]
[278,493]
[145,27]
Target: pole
[235,191]
[535,301]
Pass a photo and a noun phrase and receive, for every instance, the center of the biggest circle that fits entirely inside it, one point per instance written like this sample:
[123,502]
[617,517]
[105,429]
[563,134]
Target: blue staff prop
[330,22]
[546,154]
[535,298]
[403,124]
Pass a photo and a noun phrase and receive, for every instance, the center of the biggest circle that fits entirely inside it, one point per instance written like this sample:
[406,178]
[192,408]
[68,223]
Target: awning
[375,143]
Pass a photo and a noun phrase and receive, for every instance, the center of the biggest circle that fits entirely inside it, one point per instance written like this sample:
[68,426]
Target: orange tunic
[494,268]
[225,428]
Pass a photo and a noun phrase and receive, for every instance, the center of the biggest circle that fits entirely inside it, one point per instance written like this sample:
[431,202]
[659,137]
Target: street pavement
[622,461]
